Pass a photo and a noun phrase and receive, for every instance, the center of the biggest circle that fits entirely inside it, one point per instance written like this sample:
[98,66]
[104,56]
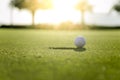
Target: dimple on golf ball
[80,42]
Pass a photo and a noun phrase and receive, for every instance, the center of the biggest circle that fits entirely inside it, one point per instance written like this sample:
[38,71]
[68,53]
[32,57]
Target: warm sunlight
[64,4]
[63,10]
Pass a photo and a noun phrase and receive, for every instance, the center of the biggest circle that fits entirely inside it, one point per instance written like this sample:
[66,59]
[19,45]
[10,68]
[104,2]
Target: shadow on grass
[68,48]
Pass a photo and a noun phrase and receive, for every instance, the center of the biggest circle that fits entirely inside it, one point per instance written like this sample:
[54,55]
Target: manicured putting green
[52,55]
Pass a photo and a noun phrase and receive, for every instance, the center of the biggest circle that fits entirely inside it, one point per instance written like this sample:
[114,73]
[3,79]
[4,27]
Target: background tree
[17,4]
[31,5]
[83,6]
[116,7]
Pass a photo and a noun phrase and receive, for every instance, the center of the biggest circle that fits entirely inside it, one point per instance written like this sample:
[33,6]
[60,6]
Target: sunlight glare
[63,10]
[64,4]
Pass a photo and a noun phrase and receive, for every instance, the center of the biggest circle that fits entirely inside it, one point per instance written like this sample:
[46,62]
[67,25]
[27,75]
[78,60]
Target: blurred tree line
[31,5]
[34,5]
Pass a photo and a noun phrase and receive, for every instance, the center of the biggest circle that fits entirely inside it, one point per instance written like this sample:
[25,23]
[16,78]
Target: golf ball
[80,42]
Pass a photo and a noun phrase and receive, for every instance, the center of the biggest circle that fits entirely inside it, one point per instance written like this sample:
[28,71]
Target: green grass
[51,55]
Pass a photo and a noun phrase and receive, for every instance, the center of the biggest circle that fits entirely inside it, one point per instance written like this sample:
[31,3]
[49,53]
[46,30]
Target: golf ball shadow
[68,48]
[80,49]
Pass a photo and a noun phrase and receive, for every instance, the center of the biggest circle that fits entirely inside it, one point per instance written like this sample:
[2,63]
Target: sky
[99,17]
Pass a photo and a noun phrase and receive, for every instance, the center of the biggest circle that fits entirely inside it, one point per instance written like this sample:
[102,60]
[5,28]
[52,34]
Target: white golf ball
[80,42]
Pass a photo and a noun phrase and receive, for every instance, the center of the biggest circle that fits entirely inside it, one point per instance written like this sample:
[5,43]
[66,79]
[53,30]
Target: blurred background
[59,13]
